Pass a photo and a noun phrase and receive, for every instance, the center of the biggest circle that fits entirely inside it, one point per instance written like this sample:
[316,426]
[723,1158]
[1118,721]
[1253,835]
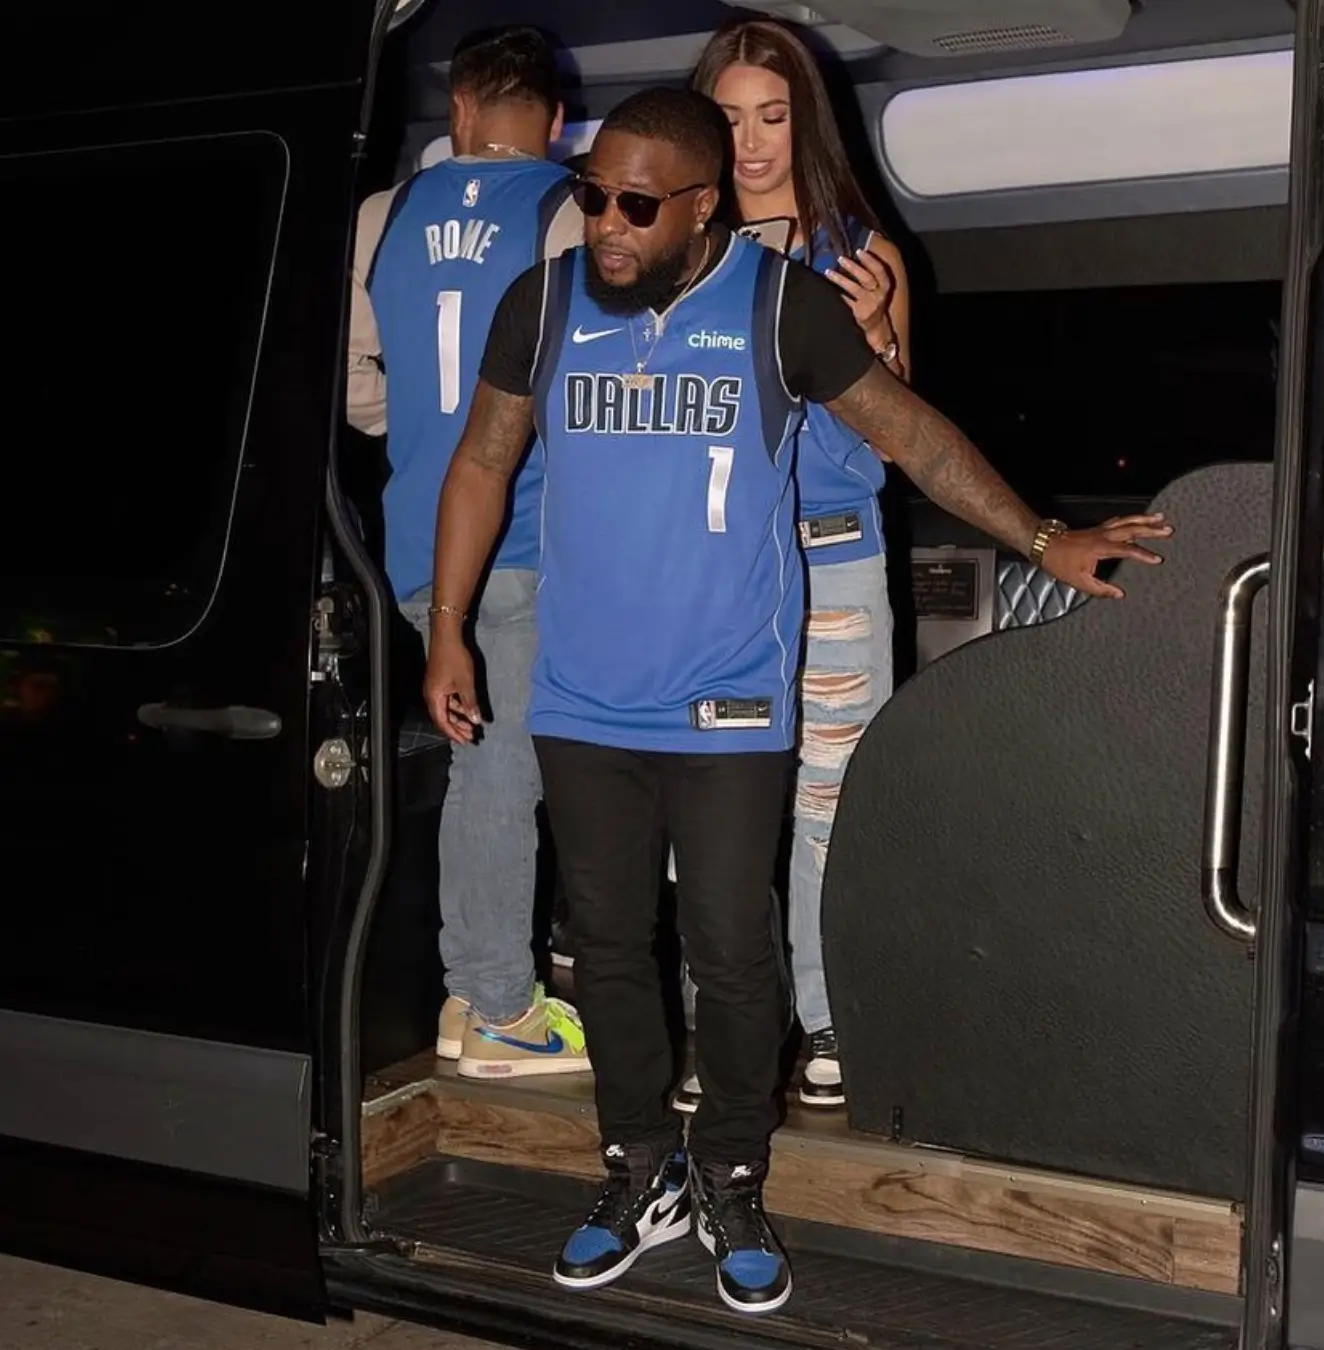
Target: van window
[136,285]
[1107,391]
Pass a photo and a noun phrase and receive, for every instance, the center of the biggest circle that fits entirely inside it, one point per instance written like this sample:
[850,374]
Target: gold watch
[1048,530]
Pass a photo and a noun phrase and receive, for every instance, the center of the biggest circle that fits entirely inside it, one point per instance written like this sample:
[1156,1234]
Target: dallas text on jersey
[681,405]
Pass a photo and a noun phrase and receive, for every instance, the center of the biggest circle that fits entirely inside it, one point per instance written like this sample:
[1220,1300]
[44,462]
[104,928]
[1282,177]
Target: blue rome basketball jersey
[839,476]
[671,598]
[456,236]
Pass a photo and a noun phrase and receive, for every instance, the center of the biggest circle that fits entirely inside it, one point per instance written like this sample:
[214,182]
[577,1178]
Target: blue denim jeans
[847,677]
[489,837]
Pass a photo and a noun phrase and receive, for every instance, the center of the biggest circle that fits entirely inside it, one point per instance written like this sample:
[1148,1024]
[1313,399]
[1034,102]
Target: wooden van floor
[824,1173]
[506,1224]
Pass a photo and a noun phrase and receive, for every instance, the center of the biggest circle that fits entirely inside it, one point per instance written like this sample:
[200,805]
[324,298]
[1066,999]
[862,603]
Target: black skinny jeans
[611,813]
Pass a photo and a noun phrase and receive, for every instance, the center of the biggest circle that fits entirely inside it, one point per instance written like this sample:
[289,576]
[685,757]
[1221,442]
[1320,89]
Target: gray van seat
[1027,595]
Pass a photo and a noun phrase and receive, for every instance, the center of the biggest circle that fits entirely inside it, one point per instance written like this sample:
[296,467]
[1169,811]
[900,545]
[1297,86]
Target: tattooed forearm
[936,456]
[472,505]
[498,429]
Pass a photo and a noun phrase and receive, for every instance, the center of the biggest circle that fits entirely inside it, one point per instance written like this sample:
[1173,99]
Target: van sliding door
[178,192]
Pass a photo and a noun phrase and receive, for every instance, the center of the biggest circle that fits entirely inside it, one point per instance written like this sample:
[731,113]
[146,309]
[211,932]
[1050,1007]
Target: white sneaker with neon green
[549,1038]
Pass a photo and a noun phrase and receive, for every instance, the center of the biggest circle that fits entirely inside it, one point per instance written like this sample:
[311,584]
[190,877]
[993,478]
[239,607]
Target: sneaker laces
[612,1209]
[621,1197]
[735,1212]
[561,1017]
[823,1044]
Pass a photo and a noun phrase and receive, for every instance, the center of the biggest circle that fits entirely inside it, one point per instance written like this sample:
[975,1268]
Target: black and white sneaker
[821,1084]
[641,1205]
[753,1274]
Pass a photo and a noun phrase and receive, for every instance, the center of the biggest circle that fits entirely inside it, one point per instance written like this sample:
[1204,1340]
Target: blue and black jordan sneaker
[753,1274]
[643,1203]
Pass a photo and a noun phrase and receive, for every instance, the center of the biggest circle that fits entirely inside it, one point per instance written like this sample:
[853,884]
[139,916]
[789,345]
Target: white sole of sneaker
[524,1068]
[448,1049]
[706,1240]
[838,1100]
[565,962]
[659,1236]
[686,1108]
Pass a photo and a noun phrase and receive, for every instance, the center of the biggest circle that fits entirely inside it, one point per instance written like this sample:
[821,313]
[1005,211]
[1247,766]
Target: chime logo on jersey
[680,405]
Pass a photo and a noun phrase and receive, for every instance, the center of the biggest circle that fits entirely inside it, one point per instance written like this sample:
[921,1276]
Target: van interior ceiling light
[962,27]
[1212,115]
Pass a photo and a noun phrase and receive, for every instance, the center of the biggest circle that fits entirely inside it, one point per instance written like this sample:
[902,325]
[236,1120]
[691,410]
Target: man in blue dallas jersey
[666,366]
[432,260]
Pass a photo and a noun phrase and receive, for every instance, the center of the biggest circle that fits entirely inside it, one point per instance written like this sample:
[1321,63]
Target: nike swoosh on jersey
[580,336]
[553,1045]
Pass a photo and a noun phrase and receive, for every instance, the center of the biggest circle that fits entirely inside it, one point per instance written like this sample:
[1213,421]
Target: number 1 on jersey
[448,349]
[719,479]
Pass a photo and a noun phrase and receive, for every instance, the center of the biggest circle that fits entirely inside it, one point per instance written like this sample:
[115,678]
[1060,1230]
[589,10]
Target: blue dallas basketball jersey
[839,475]
[671,598]
[456,236]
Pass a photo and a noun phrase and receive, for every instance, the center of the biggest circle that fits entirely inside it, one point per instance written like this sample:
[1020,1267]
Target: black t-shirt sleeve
[512,341]
[823,352]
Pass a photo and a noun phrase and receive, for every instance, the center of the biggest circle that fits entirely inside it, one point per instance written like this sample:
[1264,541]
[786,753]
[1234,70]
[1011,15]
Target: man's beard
[653,288]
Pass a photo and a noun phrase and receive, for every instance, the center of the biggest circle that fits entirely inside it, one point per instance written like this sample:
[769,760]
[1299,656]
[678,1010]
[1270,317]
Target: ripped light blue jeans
[847,677]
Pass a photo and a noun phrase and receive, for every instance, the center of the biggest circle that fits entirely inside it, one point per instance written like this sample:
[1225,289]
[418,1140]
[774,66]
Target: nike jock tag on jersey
[843,528]
[731,714]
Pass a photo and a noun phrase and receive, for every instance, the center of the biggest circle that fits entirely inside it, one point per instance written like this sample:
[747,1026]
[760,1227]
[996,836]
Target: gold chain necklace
[638,379]
[497,148]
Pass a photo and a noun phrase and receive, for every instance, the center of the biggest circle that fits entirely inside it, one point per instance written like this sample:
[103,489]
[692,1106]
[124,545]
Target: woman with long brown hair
[790,162]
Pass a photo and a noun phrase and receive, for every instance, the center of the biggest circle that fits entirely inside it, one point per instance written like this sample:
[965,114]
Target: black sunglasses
[639,208]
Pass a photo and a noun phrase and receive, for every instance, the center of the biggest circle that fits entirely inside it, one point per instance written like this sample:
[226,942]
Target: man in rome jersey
[667,366]
[432,260]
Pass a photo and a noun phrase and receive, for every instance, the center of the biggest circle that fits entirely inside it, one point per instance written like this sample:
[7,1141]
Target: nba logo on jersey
[471,192]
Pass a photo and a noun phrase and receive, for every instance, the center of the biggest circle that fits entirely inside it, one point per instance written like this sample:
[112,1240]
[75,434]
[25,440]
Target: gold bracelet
[434,610]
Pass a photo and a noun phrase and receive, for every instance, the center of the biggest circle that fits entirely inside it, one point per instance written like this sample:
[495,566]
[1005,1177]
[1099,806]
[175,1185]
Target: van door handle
[236,722]
[1221,851]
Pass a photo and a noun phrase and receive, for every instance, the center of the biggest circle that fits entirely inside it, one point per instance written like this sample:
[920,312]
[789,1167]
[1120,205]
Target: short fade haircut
[680,117]
[510,64]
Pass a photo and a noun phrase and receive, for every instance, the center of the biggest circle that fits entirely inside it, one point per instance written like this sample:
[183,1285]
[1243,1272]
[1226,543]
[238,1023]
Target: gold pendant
[636,379]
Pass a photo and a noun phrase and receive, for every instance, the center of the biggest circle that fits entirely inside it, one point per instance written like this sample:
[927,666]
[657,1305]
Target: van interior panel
[1091,1018]
[1180,249]
[959,27]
